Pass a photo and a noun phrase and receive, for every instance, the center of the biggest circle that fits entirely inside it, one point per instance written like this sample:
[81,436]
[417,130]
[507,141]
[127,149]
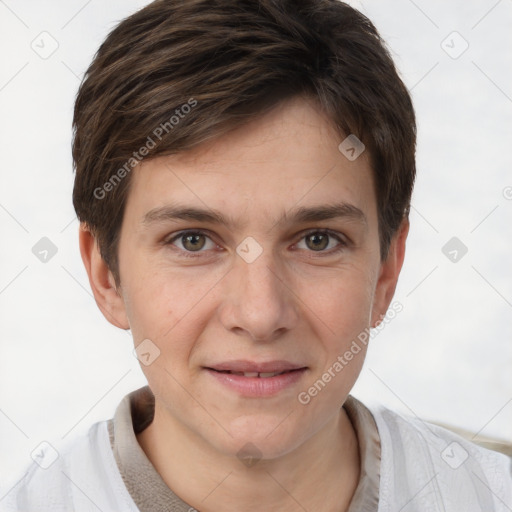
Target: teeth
[256,374]
[262,375]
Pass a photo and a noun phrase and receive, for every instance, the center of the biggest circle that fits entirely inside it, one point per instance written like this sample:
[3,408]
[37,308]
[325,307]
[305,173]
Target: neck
[321,474]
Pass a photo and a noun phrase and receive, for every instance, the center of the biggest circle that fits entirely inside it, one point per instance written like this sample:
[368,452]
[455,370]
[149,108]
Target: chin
[260,437]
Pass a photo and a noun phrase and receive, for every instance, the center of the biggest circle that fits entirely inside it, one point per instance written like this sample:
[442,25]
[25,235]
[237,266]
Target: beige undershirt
[151,494]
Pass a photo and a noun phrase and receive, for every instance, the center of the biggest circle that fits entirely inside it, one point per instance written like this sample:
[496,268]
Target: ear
[107,297]
[389,272]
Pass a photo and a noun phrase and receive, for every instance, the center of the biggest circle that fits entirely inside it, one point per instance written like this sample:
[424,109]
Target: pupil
[193,241]
[319,241]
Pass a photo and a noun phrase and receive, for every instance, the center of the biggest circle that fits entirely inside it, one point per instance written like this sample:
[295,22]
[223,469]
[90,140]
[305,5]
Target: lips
[261,375]
[252,369]
[252,379]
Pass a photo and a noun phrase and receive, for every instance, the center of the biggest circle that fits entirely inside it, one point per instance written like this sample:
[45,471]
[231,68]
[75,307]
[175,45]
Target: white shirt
[423,467]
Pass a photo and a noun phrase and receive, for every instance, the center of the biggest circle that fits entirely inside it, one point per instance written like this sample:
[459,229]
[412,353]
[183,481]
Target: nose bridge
[259,278]
[258,302]
[255,265]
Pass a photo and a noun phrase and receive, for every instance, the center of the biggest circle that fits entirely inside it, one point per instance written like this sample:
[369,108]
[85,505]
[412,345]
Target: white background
[446,357]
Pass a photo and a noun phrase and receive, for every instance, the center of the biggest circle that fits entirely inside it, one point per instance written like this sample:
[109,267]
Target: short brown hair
[230,61]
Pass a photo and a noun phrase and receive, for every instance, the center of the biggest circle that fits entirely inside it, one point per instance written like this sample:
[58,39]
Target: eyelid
[174,236]
[342,239]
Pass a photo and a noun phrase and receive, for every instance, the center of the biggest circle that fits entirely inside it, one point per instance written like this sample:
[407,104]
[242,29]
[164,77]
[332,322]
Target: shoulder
[433,468]
[80,474]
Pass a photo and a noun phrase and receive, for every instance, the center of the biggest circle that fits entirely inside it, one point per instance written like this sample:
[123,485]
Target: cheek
[170,308]
[343,301]
[346,310]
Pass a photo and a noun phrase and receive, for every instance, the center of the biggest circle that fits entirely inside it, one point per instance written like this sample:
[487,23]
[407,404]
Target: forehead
[286,160]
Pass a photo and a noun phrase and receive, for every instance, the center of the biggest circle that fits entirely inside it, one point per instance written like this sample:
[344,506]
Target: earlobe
[107,297]
[389,272]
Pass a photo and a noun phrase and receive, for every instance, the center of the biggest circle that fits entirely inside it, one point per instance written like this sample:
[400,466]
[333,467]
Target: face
[252,264]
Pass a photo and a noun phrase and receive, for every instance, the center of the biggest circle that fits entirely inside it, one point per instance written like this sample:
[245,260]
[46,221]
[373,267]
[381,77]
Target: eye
[191,241]
[320,240]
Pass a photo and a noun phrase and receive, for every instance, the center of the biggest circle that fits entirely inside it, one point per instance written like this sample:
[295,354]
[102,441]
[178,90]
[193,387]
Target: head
[238,109]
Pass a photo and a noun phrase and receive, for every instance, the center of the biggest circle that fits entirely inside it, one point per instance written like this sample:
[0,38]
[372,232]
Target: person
[243,179]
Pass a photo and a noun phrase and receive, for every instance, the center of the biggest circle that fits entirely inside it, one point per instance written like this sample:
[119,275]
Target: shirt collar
[151,493]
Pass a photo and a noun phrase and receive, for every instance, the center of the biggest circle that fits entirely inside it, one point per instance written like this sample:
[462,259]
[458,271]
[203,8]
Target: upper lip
[251,366]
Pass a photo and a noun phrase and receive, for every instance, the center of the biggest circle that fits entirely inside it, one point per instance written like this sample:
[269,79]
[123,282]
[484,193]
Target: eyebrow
[297,215]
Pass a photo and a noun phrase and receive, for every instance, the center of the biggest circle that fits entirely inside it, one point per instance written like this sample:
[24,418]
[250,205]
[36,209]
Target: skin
[294,302]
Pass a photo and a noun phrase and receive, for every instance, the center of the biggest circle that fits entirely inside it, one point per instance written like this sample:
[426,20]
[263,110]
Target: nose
[259,302]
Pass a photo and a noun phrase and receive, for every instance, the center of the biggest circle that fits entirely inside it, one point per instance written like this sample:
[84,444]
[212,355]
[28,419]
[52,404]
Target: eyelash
[191,254]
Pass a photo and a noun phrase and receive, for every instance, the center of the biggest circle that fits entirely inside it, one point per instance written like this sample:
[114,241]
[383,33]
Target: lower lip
[258,386]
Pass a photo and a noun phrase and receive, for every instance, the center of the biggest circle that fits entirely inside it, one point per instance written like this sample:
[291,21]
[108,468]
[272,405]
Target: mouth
[257,379]
[251,369]
[259,375]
